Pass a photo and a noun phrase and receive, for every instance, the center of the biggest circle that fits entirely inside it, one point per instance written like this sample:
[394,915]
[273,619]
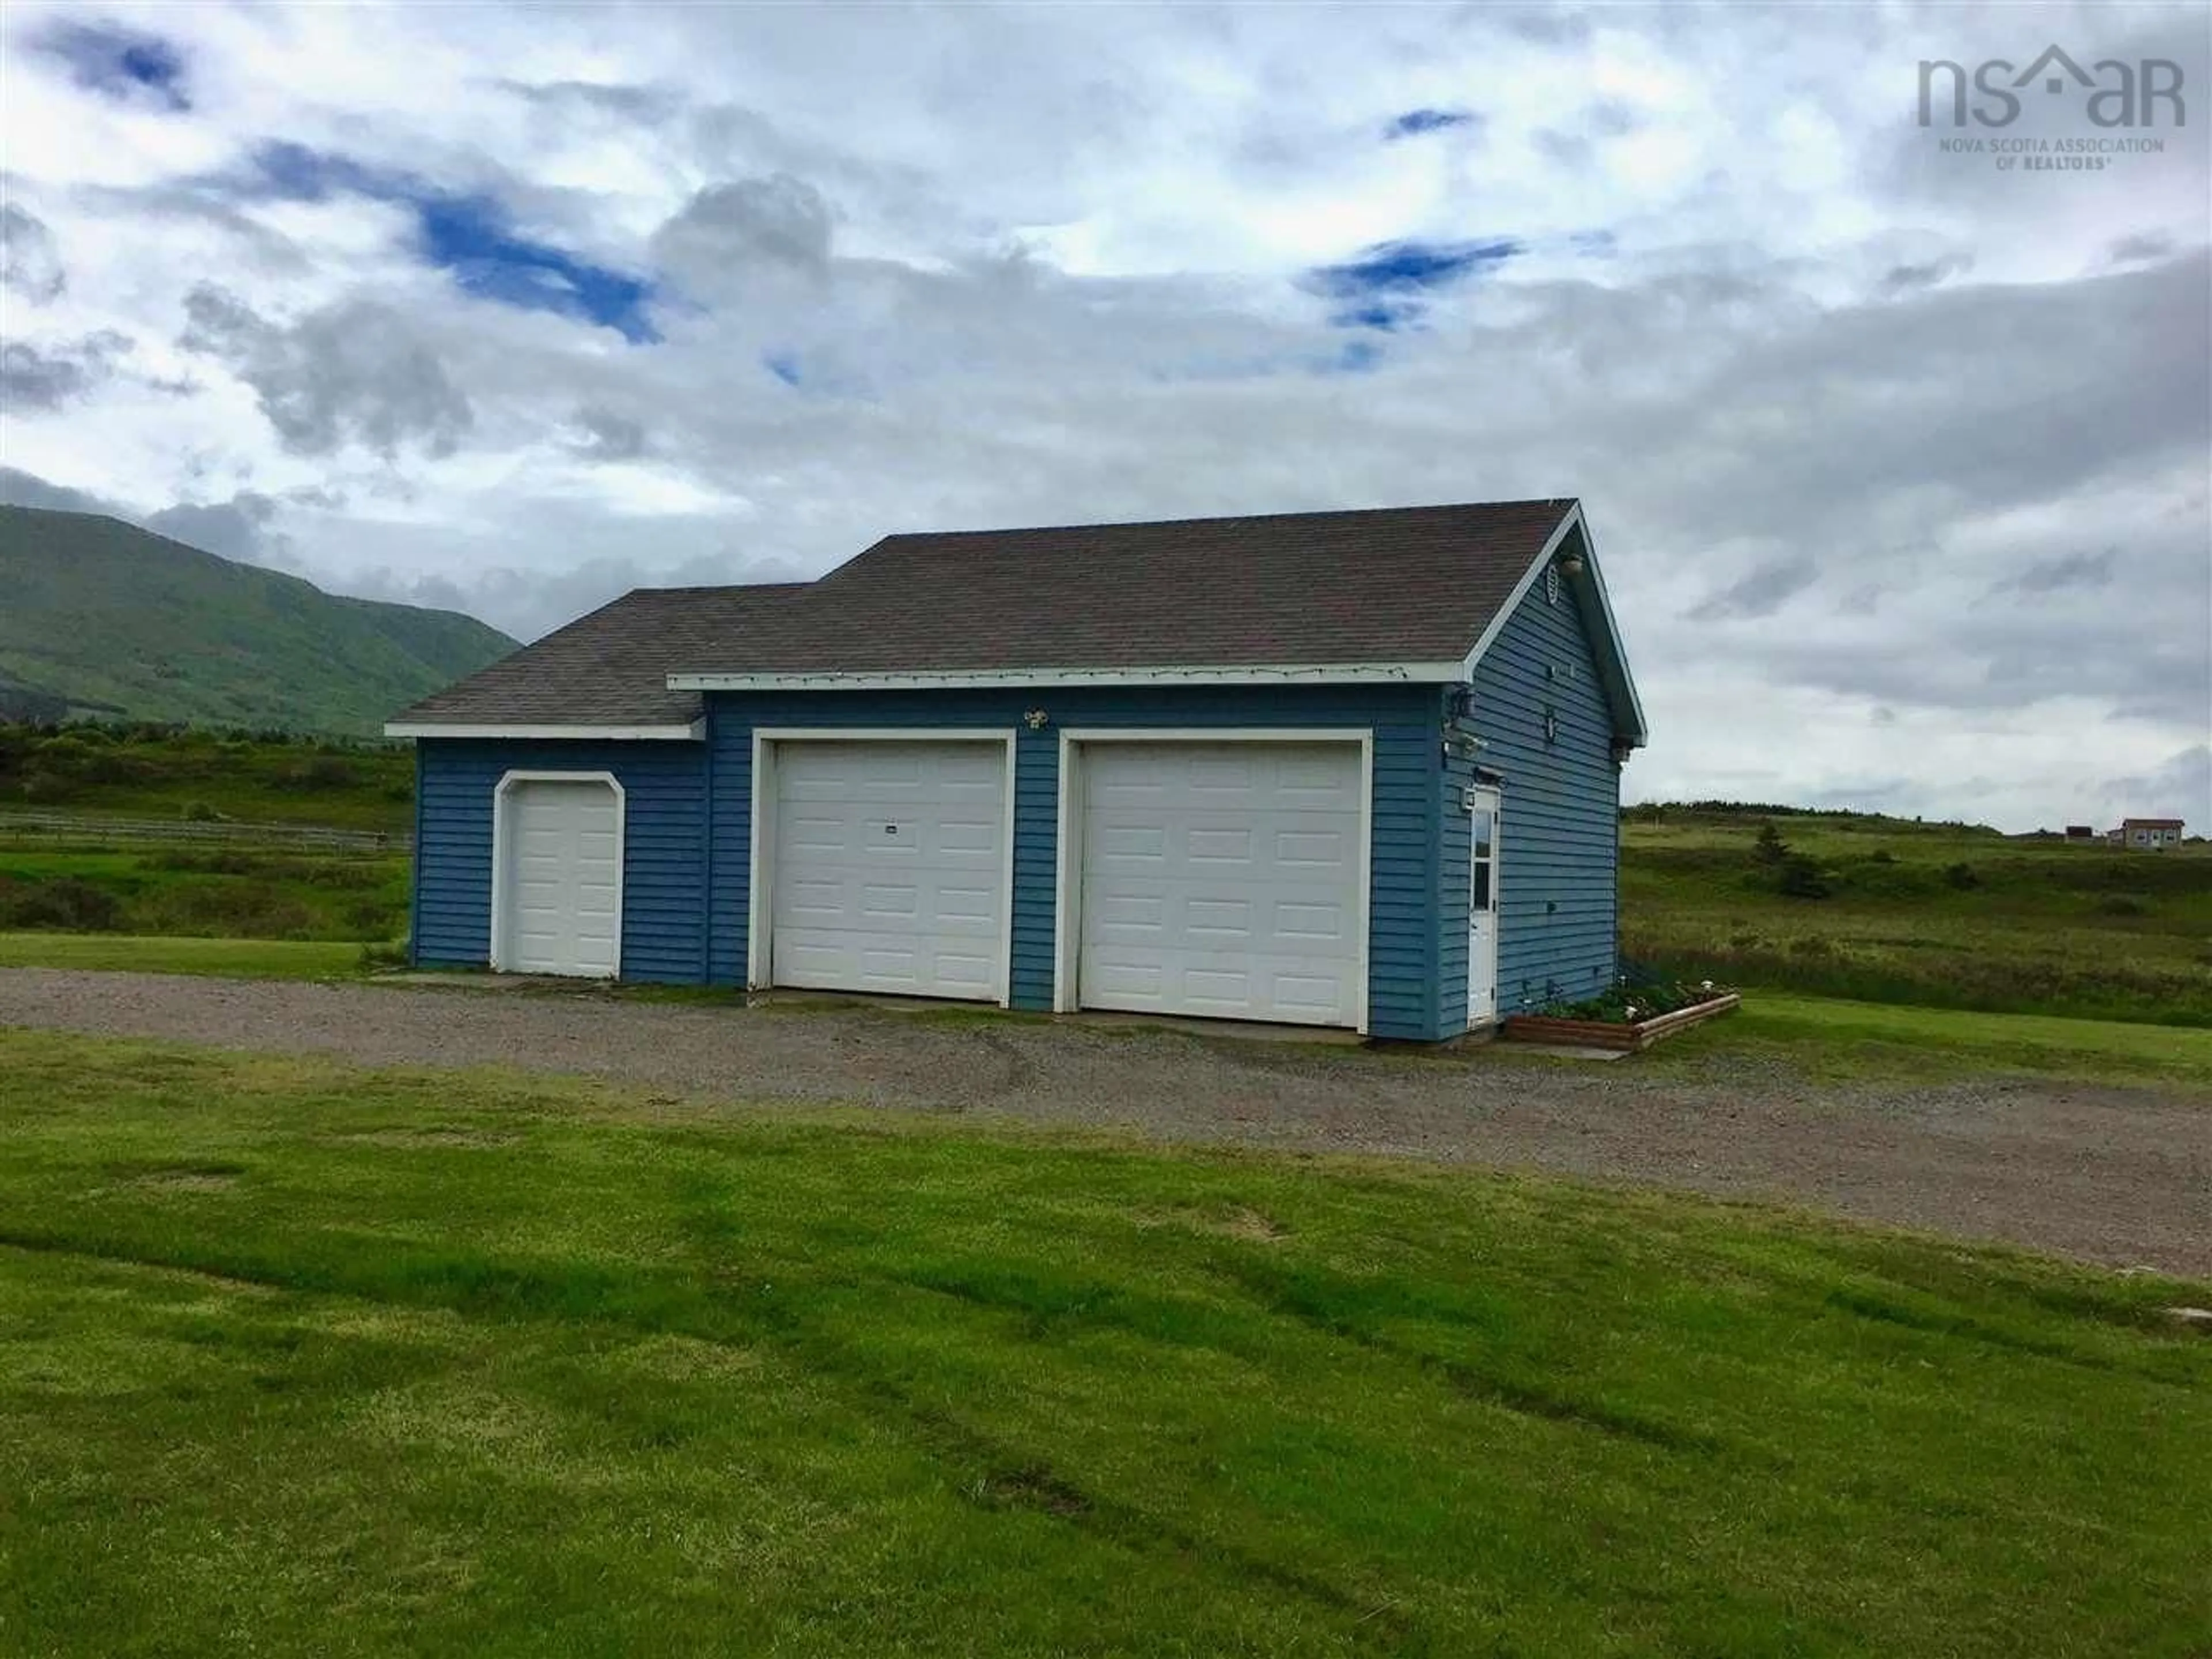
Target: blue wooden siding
[1402,946]
[688,853]
[665,874]
[1560,832]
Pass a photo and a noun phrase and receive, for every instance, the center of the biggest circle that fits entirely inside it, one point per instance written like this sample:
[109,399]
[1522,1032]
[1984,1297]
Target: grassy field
[1845,905]
[240,892]
[237,958]
[121,771]
[297,1358]
[1938,916]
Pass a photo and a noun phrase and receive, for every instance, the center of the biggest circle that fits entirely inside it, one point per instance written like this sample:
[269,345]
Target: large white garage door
[889,868]
[561,895]
[1222,879]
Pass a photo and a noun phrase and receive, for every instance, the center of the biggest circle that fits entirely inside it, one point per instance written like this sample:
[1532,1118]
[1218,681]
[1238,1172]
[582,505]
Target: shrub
[316,773]
[391,954]
[373,918]
[1770,848]
[225,912]
[1800,877]
[42,785]
[1812,945]
[1961,876]
[198,812]
[63,903]
[2119,904]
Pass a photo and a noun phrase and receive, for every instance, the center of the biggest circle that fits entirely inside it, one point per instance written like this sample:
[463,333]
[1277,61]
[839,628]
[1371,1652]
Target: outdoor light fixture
[1572,564]
[1037,720]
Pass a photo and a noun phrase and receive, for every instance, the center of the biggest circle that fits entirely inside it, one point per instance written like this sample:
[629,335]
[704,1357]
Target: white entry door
[889,867]
[1223,880]
[1482,909]
[560,854]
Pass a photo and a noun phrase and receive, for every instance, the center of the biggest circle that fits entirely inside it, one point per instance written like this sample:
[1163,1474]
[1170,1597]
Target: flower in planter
[1629,1011]
[1704,984]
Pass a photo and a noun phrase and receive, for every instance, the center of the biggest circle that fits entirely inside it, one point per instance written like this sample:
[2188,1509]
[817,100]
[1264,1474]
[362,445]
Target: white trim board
[1068,838]
[590,733]
[760,881]
[496,943]
[1529,577]
[1494,799]
[1165,674]
[1537,567]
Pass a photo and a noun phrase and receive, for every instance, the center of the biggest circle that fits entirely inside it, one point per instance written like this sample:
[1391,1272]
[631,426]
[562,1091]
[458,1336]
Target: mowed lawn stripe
[498,1363]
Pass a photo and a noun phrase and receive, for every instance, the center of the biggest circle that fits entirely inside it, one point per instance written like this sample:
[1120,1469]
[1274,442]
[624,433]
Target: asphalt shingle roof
[1387,586]
[610,668]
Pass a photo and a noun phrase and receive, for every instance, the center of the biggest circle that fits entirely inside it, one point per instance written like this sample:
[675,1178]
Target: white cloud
[1846,410]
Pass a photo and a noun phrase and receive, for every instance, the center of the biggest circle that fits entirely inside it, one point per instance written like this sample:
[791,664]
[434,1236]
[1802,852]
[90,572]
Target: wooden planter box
[1611,1034]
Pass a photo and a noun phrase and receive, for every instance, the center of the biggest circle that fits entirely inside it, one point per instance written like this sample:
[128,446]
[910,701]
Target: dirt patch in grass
[1033,1487]
[1236,1221]
[434,1137]
[185,1178]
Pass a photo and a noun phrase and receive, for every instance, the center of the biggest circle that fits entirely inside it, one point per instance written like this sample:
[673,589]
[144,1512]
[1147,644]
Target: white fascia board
[1612,634]
[685,733]
[1166,674]
[1535,569]
[1567,526]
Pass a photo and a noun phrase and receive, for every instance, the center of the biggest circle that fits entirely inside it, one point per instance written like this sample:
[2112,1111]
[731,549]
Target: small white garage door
[1222,879]
[561,893]
[889,870]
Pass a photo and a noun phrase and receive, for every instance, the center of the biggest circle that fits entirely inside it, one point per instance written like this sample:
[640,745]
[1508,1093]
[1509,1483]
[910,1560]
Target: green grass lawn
[299,1358]
[1940,915]
[1831,1038]
[244,958]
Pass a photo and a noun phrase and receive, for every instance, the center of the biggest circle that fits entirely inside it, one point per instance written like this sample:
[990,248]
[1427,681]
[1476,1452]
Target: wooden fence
[307,837]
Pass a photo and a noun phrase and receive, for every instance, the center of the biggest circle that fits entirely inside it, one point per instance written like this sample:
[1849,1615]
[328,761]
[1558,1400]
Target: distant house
[2081,832]
[2149,834]
[1358,769]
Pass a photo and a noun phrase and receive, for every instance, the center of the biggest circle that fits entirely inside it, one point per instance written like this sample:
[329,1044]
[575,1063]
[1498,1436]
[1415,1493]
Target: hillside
[1891,910]
[104,619]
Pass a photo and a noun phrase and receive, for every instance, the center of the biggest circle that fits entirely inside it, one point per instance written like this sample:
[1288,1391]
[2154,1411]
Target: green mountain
[99,618]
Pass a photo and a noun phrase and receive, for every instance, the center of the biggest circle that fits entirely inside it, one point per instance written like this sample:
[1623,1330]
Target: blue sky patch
[1387,316]
[1411,267]
[118,63]
[471,238]
[1415,122]
[467,236]
[1385,288]
[784,365]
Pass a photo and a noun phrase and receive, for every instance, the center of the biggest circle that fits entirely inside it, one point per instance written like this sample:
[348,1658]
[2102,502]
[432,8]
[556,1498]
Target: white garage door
[1222,879]
[561,895]
[890,869]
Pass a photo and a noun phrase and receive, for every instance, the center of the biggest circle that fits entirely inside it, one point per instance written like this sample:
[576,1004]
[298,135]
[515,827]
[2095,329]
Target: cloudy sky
[1896,458]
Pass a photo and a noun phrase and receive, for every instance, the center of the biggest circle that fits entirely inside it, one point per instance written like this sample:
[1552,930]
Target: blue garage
[1351,769]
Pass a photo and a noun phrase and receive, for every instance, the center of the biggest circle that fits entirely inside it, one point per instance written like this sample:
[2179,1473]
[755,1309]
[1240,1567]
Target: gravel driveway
[2116,1175]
